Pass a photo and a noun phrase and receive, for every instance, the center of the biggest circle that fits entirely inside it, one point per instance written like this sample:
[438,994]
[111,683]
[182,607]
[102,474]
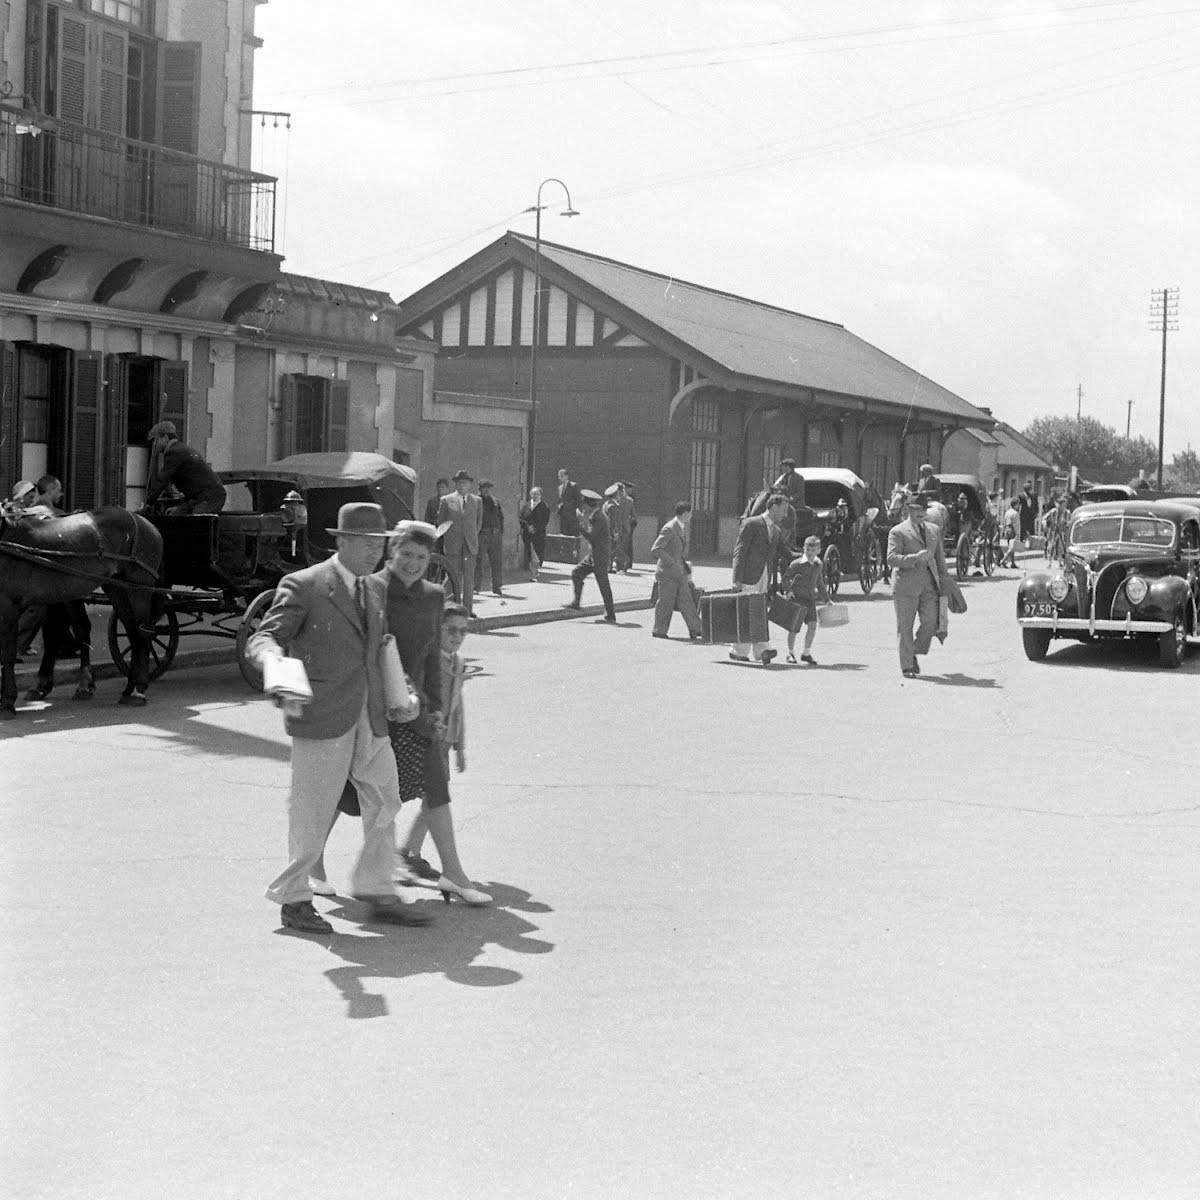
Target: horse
[63,559]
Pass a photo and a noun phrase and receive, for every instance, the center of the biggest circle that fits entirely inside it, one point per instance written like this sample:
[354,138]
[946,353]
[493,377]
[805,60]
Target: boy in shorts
[804,580]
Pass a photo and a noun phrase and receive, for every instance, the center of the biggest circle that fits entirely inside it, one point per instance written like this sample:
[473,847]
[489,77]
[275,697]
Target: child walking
[804,579]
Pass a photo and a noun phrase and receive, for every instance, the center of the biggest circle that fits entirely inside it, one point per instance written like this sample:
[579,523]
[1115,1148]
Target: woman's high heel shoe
[791,657]
[468,895]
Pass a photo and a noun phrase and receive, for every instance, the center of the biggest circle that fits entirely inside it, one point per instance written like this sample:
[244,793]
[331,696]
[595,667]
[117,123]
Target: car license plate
[1040,608]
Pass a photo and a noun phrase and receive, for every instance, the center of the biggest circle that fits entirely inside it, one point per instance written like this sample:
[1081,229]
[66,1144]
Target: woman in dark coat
[414,614]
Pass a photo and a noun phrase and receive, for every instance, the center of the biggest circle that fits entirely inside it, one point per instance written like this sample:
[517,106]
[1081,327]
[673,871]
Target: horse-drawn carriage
[220,571]
[970,532]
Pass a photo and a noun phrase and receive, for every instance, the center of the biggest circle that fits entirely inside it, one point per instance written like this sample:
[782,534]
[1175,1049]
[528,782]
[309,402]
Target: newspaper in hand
[286,680]
[403,704]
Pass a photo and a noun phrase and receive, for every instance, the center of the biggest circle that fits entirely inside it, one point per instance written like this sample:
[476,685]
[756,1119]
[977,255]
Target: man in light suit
[673,575]
[918,563]
[332,617]
[464,514]
[760,540]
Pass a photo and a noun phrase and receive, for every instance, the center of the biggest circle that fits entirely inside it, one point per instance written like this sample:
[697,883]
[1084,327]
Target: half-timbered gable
[683,390]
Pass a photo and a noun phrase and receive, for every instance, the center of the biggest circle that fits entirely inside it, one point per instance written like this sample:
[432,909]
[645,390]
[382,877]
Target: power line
[508,78]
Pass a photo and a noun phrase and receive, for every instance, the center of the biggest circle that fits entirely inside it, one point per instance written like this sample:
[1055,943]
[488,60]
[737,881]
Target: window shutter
[111,95]
[171,395]
[116,430]
[337,415]
[72,68]
[83,447]
[35,53]
[287,416]
[179,96]
[10,419]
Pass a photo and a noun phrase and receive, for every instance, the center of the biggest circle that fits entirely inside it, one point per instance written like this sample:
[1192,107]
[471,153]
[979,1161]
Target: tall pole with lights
[1164,316]
[569,211]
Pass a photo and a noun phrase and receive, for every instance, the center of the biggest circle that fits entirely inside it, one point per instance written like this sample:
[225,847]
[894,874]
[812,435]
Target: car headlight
[1058,589]
[1136,588]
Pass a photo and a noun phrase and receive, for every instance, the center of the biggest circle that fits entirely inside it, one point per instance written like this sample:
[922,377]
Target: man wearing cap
[618,524]
[332,617]
[463,514]
[491,539]
[599,555]
[178,465]
[918,562]
[630,516]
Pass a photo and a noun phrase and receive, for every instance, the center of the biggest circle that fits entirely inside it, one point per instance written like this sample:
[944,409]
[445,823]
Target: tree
[1184,472]
[1096,449]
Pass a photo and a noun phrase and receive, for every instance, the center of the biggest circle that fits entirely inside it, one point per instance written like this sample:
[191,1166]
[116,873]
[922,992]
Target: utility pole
[1079,405]
[1128,417]
[1164,315]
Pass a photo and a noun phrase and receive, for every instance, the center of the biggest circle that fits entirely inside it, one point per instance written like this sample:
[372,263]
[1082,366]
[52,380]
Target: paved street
[816,932]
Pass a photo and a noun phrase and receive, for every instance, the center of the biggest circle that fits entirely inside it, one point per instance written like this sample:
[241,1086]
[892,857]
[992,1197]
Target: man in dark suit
[173,464]
[599,556]
[759,543]
[464,513]
[534,517]
[434,502]
[331,617]
[491,539]
[570,500]
[918,563]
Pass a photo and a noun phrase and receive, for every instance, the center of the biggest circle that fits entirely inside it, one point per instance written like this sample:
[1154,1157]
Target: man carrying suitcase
[759,542]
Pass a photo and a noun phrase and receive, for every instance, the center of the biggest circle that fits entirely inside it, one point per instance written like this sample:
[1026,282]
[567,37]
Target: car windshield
[1119,527]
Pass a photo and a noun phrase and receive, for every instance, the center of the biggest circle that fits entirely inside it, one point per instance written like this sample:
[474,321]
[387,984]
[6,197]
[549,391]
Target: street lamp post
[569,211]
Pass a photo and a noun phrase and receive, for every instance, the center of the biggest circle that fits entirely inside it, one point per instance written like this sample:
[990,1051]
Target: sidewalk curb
[64,674]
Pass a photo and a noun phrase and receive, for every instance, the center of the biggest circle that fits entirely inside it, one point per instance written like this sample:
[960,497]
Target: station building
[685,391]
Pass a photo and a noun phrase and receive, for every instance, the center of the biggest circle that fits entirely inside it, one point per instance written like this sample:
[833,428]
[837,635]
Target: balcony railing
[82,170]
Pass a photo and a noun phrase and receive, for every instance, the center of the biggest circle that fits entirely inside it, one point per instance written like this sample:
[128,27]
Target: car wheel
[1036,642]
[1172,645]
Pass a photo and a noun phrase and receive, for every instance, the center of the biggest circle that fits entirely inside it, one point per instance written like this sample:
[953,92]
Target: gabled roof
[1016,450]
[737,342]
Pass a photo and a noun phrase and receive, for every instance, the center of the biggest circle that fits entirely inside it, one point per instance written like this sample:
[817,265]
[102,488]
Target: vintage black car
[1132,570]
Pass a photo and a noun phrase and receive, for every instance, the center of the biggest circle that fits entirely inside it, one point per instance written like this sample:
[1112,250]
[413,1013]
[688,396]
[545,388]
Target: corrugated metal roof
[1015,451]
[759,341]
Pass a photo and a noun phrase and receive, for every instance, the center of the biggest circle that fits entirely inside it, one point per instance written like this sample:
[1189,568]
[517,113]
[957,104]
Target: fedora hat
[917,500]
[464,474]
[361,520]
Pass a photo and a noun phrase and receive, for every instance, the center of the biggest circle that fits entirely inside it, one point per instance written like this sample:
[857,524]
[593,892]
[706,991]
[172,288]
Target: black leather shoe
[571,604]
[660,635]
[304,917]
[766,656]
[391,910]
[419,867]
[739,657]
[610,620]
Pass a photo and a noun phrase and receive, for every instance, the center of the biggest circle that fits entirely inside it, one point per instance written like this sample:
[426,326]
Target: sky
[988,191]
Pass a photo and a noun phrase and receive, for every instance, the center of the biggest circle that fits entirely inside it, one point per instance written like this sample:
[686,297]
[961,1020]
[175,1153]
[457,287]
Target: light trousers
[462,565]
[908,609]
[755,650]
[320,768]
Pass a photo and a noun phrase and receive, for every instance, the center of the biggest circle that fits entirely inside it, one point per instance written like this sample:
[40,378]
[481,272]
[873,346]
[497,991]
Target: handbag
[399,698]
[785,613]
[830,616]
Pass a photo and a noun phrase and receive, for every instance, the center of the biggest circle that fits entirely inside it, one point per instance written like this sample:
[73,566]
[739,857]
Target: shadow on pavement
[957,679]
[449,947]
[1138,656]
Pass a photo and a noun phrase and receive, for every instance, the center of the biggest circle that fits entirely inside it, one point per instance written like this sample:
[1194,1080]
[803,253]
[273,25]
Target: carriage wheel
[962,557]
[869,563]
[163,644]
[439,572]
[989,558]
[833,570]
[247,627]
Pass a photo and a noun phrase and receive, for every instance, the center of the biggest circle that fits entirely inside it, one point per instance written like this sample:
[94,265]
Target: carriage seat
[269,525]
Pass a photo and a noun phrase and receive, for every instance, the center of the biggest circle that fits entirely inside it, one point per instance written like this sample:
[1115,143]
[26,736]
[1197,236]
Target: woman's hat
[420,529]
[590,496]
[23,489]
[361,520]
[611,490]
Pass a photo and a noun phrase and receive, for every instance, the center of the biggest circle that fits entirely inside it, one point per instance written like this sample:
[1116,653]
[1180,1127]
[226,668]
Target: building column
[219,450]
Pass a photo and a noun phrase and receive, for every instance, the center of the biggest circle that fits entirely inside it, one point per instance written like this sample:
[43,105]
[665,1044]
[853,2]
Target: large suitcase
[728,617]
[561,548]
[785,613]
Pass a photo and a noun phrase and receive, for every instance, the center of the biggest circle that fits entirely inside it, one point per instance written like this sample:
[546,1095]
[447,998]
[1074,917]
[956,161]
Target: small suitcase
[728,617]
[830,616]
[785,613]
[562,548]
